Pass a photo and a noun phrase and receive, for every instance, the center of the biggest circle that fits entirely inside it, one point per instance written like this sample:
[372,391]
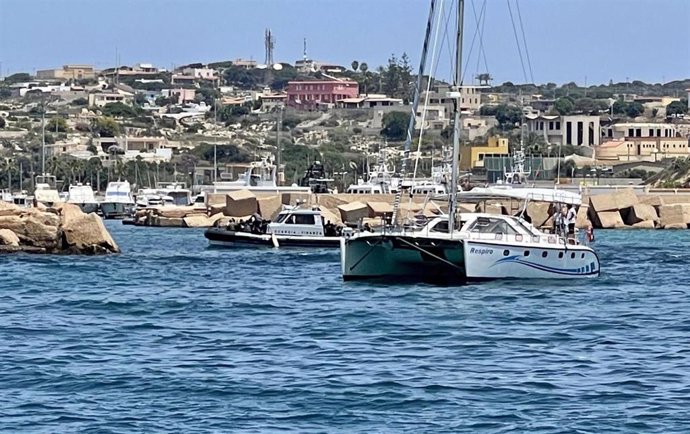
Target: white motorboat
[45,190]
[295,227]
[175,191]
[118,202]
[82,196]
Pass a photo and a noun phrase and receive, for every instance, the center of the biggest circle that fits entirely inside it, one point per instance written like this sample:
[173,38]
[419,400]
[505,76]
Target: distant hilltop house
[246,64]
[67,72]
[370,101]
[313,94]
[470,98]
[140,69]
[117,93]
[182,95]
[309,65]
[153,149]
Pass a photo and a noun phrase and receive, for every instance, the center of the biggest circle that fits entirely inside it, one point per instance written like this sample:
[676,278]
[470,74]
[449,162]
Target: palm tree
[365,69]
[355,65]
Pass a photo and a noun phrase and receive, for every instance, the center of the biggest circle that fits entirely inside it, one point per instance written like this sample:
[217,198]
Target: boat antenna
[452,200]
[413,112]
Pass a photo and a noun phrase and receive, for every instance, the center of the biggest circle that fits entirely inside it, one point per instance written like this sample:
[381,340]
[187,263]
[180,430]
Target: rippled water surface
[171,336]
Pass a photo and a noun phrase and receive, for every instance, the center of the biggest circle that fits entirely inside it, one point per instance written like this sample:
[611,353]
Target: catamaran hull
[114,210]
[493,260]
[401,257]
[225,238]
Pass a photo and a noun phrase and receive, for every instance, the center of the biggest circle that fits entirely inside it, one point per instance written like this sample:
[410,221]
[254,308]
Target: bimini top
[549,195]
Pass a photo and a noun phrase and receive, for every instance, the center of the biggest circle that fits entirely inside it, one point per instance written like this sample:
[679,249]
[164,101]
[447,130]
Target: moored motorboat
[296,227]
[118,201]
[82,196]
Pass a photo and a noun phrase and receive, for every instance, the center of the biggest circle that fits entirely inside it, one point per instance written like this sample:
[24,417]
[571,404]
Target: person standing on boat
[571,218]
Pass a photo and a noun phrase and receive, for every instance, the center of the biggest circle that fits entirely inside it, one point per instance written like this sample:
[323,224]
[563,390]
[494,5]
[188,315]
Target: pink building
[310,94]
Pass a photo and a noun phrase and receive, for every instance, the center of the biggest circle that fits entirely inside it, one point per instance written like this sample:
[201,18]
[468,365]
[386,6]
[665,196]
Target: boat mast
[413,114]
[453,198]
[43,132]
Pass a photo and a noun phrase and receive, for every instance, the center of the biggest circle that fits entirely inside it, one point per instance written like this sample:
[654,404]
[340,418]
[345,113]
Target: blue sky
[567,40]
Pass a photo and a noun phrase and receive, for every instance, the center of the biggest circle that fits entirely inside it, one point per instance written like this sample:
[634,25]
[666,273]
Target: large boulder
[539,213]
[295,198]
[32,231]
[674,216]
[216,199]
[240,203]
[87,235]
[329,216]
[269,206]
[169,222]
[609,220]
[625,198]
[353,212]
[8,209]
[201,220]
[178,212]
[379,209]
[8,238]
[582,220]
[646,224]
[641,212]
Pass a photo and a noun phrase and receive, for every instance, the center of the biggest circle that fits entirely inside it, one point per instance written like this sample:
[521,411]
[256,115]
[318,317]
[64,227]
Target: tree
[106,127]
[677,108]
[355,65]
[57,124]
[564,106]
[395,125]
[634,109]
[585,105]
[391,77]
[118,109]
[364,69]
[17,78]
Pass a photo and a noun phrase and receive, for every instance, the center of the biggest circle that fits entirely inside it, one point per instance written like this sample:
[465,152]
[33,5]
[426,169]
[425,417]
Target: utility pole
[278,157]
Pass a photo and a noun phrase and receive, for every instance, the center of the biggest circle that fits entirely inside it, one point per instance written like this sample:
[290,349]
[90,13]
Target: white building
[470,98]
[639,129]
[201,73]
[578,130]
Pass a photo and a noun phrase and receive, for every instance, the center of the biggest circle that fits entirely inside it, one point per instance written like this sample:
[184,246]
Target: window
[560,255]
[526,252]
[544,254]
[491,225]
[506,252]
[441,227]
[300,219]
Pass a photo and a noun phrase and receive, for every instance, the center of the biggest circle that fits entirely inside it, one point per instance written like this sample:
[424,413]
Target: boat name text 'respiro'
[481,251]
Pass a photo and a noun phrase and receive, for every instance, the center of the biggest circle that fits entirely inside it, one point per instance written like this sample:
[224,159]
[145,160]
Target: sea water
[172,336]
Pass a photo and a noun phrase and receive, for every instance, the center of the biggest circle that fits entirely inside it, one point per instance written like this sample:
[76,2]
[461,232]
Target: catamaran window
[491,225]
[441,227]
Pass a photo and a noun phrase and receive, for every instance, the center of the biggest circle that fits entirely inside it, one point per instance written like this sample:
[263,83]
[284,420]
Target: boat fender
[274,240]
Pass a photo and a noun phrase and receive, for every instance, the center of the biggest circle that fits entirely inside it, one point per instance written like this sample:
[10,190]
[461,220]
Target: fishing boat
[118,202]
[295,227]
[82,196]
[257,177]
[458,247]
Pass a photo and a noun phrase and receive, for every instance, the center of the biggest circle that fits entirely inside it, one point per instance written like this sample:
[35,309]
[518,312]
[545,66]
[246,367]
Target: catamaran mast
[413,114]
[452,200]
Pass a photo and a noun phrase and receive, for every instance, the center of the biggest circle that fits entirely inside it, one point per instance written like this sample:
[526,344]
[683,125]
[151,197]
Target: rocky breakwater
[624,209]
[63,229]
[221,208]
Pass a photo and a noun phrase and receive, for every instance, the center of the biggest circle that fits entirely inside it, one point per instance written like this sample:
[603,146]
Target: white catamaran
[457,247]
